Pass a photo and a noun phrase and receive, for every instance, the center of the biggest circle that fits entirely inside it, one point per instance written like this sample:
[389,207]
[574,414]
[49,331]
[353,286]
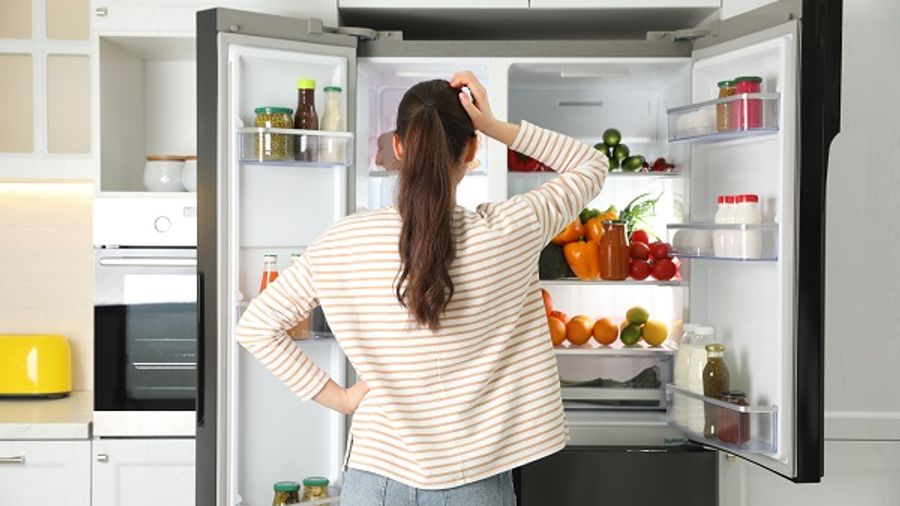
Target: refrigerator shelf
[626,282]
[394,173]
[544,176]
[275,146]
[720,241]
[617,349]
[747,114]
[756,426]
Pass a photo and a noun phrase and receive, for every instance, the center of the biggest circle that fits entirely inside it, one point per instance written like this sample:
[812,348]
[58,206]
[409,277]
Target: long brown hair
[434,130]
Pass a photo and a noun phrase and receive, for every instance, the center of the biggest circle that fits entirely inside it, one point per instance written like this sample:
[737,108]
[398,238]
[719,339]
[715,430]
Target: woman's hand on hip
[355,395]
[343,400]
[479,108]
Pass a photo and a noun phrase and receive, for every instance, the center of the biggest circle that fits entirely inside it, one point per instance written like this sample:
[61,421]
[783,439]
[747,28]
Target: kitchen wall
[46,274]
[862,345]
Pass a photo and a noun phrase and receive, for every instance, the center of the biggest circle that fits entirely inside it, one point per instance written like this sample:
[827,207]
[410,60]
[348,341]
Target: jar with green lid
[723,110]
[314,488]
[274,146]
[286,492]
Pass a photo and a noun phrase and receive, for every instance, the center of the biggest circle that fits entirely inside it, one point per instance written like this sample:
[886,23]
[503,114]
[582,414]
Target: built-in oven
[145,331]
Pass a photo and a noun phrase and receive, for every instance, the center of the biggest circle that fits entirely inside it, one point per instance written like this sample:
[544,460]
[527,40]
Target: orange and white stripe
[473,399]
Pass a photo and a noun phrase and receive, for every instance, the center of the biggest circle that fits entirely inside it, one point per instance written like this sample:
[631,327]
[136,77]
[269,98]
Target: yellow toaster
[38,365]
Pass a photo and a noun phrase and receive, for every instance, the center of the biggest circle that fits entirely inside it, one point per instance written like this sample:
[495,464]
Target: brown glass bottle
[305,118]
[715,383]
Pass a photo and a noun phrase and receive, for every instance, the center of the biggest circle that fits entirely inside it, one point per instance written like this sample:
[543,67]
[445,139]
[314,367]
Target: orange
[557,330]
[579,330]
[548,301]
[605,331]
[559,314]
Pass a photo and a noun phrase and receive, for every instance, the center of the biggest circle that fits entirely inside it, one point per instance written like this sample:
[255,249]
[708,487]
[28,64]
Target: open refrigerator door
[742,271]
[277,188]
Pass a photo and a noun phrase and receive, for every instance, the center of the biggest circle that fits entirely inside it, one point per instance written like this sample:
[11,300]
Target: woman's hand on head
[477,106]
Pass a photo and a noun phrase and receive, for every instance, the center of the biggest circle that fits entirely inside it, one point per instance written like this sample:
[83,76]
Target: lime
[620,152]
[637,315]
[630,335]
[654,332]
[612,137]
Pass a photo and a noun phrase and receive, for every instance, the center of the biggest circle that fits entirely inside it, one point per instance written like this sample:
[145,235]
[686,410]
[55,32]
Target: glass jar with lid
[314,488]
[286,492]
[273,146]
[613,251]
[746,113]
[723,110]
[332,148]
[715,383]
[733,426]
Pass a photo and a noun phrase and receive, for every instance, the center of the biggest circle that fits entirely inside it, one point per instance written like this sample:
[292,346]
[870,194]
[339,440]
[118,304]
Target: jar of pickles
[723,110]
[314,488]
[273,146]
[286,492]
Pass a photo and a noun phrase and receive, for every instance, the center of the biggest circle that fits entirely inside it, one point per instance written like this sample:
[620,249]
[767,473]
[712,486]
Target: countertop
[66,418]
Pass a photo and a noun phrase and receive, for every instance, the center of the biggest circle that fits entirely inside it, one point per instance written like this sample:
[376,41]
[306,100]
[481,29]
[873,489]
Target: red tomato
[517,162]
[548,301]
[663,269]
[640,269]
[640,236]
[639,250]
[659,250]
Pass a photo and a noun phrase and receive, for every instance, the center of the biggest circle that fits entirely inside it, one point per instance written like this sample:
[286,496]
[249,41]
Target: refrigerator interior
[279,207]
[751,303]
[382,83]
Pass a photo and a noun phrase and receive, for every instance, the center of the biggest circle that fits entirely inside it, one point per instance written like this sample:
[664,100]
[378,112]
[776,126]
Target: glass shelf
[719,241]
[745,115]
[615,349]
[544,176]
[626,282]
[395,173]
[275,146]
[746,429]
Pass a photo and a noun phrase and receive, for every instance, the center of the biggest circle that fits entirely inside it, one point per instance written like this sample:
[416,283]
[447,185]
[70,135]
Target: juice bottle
[715,383]
[305,118]
[613,251]
[270,271]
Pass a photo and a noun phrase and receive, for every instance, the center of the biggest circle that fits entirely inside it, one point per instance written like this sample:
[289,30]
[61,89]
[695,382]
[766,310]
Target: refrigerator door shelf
[737,116]
[395,173]
[276,146]
[539,178]
[719,241]
[755,426]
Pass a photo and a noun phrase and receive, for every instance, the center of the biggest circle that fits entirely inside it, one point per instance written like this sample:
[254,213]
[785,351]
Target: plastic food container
[163,173]
[273,146]
[314,488]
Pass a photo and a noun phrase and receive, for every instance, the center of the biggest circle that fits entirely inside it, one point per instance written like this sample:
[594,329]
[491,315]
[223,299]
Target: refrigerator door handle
[201,354]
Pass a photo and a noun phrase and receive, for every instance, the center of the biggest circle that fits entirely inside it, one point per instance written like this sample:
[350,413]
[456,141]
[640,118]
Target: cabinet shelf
[748,114]
[600,282]
[275,146]
[756,426]
[719,241]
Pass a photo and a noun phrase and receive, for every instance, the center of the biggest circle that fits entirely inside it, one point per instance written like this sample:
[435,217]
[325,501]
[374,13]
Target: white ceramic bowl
[189,174]
[163,173]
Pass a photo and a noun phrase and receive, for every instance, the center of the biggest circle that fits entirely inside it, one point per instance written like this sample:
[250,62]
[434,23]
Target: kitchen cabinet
[45,473]
[143,472]
[46,91]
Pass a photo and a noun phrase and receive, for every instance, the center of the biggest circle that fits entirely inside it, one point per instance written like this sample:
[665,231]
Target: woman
[439,310]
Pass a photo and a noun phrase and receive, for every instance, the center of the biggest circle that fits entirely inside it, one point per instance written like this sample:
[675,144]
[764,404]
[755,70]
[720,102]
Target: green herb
[636,212]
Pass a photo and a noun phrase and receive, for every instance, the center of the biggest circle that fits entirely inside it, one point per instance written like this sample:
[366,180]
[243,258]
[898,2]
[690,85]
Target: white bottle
[750,242]
[722,237]
[333,149]
[694,413]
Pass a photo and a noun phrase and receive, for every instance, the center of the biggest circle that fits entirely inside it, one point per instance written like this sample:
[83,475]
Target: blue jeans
[362,488]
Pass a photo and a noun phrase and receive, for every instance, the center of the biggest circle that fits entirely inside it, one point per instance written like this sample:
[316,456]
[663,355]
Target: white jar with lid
[163,173]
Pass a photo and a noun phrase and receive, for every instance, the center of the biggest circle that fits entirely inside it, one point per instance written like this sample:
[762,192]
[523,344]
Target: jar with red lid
[746,113]
[733,426]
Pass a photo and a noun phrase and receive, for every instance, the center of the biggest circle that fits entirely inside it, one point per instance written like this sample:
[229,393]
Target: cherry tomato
[663,269]
[659,250]
[640,269]
[640,236]
[639,250]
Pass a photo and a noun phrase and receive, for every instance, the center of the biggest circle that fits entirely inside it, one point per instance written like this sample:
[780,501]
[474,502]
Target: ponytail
[434,130]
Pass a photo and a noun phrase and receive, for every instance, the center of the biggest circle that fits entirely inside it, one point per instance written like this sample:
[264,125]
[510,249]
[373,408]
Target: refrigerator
[660,93]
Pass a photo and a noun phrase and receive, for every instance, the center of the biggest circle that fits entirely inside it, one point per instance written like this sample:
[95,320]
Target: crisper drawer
[614,377]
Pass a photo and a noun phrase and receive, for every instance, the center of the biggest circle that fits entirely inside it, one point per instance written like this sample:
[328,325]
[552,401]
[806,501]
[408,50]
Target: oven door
[145,341]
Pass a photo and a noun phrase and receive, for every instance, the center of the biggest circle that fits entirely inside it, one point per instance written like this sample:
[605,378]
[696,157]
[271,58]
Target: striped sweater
[480,395]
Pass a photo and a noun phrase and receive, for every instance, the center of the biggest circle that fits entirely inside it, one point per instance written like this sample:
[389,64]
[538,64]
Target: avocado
[621,152]
[633,163]
[612,137]
[552,263]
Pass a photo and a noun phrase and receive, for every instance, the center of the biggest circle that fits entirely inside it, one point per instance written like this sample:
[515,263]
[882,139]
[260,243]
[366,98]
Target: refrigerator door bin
[725,118]
[719,241]
[277,145]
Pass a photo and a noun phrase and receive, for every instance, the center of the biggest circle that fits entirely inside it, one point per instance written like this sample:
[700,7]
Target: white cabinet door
[623,4]
[143,472]
[45,473]
[433,4]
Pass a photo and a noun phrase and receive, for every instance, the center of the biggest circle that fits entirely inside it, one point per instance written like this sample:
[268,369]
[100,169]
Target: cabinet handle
[102,457]
[19,459]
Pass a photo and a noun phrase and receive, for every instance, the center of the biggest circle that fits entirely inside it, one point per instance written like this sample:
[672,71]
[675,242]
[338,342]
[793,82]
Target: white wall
[862,356]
